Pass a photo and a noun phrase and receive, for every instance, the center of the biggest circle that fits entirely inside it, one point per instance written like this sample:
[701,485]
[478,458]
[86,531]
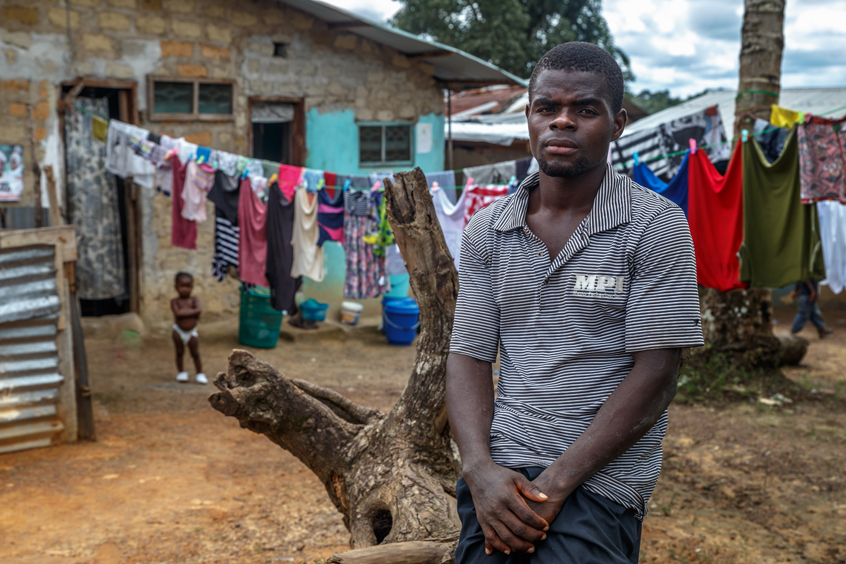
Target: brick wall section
[231,39]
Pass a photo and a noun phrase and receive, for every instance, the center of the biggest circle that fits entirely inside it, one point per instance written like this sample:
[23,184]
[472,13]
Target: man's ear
[620,121]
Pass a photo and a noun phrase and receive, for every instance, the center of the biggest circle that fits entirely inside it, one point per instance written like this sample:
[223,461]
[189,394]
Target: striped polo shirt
[565,328]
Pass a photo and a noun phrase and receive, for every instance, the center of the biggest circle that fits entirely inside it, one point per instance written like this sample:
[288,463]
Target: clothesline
[624,165]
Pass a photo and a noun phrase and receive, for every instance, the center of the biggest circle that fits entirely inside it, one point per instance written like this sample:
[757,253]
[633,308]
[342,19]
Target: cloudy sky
[689,45]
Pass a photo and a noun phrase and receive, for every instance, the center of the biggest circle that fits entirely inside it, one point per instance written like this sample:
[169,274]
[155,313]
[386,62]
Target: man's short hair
[579,56]
[179,275]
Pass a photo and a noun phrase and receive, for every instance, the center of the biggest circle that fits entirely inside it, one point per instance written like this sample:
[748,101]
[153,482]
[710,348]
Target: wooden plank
[53,197]
[64,237]
[132,241]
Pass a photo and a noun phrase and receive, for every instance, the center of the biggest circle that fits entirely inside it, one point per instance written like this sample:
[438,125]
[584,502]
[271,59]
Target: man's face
[571,122]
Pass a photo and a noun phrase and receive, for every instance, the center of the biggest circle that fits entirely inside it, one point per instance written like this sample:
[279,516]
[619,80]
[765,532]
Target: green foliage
[651,102]
[512,34]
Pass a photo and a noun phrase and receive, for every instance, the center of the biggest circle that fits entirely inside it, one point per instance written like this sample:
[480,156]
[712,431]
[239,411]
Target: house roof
[809,100]
[451,65]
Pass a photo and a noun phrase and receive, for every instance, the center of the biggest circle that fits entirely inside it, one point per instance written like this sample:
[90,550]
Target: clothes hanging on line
[308,255]
[280,250]
[226,246]
[198,181]
[313,180]
[121,159]
[705,127]
[330,217]
[770,137]
[394,264]
[289,178]
[92,199]
[444,179]
[781,235]
[183,232]
[498,173]
[822,170]
[715,216]
[225,162]
[252,249]
[224,194]
[833,234]
[365,271]
[478,197]
[782,117]
[676,190]
[451,218]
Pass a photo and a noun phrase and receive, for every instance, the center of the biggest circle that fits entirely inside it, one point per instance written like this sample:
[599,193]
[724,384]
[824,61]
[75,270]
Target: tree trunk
[392,476]
[740,323]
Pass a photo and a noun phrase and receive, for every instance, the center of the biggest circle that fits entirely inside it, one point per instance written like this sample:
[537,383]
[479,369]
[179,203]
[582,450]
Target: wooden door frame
[298,129]
[127,91]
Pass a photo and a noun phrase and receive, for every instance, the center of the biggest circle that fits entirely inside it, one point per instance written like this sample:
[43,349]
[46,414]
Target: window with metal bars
[385,143]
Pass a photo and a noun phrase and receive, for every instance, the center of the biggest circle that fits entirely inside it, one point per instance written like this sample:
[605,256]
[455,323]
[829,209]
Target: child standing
[186,313]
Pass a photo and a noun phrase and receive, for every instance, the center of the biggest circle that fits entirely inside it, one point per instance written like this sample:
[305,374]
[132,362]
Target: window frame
[152,115]
[384,125]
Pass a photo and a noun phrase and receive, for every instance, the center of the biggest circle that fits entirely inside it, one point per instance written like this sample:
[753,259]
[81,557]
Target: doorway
[117,99]
[277,130]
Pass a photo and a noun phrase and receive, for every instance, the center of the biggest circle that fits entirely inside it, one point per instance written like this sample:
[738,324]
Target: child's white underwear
[185,335]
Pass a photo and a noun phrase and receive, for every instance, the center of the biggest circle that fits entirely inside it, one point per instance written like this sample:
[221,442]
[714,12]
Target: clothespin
[273,178]
[801,117]
[347,184]
[435,186]
[200,160]
[636,158]
[744,135]
[169,155]
[693,146]
[321,185]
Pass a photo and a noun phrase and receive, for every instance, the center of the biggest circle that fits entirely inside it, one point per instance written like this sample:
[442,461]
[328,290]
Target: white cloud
[686,46]
[378,10]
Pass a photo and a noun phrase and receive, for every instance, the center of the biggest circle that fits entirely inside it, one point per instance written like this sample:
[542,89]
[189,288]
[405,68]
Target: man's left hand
[549,509]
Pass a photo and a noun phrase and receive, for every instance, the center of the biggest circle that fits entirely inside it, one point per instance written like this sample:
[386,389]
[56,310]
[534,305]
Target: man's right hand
[505,518]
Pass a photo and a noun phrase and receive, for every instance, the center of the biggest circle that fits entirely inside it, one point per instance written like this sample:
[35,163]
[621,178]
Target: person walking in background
[809,309]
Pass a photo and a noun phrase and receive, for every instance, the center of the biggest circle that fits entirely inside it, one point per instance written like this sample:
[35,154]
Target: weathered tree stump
[392,476]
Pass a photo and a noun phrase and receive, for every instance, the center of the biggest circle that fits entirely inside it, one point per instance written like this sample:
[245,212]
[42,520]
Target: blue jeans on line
[808,310]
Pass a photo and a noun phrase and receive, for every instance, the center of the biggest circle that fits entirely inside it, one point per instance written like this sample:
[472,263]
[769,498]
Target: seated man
[585,284]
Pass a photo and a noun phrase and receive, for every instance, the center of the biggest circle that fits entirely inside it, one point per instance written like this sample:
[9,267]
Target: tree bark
[739,323]
[392,476]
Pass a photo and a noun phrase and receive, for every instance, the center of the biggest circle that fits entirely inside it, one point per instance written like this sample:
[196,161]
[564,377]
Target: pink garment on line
[252,243]
[289,178]
[334,234]
[326,208]
[198,182]
[478,197]
[183,232]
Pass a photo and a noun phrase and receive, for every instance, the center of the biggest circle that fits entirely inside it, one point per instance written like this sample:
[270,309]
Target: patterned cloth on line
[822,171]
[226,238]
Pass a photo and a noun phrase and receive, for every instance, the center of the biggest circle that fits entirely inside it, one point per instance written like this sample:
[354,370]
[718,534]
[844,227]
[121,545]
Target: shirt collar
[611,207]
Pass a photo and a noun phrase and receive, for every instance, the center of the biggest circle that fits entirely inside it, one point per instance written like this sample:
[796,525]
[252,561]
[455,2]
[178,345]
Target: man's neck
[563,195]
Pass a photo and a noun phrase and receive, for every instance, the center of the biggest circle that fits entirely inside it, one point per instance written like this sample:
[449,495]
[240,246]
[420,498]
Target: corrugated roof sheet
[810,100]
[27,283]
[29,359]
[459,67]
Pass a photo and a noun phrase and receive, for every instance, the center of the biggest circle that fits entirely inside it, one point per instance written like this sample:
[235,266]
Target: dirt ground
[172,481]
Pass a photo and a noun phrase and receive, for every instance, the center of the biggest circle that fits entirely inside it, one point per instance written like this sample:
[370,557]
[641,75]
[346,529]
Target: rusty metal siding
[29,359]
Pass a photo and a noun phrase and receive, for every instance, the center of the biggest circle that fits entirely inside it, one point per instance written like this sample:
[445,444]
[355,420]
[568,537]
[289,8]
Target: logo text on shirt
[593,286]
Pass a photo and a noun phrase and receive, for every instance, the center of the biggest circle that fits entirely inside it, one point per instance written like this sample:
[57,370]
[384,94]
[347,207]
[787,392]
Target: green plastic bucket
[259,323]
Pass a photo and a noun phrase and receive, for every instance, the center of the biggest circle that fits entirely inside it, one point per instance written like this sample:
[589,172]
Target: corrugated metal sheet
[459,67]
[29,359]
[810,100]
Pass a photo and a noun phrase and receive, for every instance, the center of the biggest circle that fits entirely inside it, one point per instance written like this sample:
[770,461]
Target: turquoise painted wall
[332,145]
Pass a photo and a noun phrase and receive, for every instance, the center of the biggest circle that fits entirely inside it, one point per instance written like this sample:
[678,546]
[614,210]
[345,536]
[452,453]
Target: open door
[277,130]
[121,293]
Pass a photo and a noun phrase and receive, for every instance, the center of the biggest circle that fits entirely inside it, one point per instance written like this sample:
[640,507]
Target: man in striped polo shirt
[585,284]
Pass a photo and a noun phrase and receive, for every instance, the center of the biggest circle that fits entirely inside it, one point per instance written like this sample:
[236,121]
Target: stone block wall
[46,42]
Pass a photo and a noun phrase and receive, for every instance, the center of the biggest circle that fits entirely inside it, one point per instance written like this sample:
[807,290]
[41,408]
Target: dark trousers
[808,310]
[590,529]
